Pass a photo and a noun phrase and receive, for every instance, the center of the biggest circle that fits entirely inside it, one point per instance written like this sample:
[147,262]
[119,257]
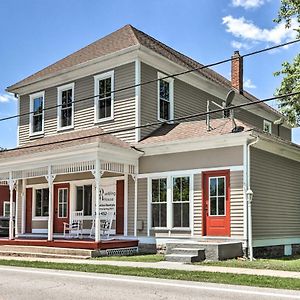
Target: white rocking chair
[106,220]
[75,227]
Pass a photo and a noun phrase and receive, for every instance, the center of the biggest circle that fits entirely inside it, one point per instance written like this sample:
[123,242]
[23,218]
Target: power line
[130,128]
[158,79]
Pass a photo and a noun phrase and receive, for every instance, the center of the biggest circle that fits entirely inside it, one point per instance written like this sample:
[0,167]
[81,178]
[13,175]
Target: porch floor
[84,243]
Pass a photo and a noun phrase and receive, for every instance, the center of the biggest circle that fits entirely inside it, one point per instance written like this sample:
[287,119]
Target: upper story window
[267,126]
[165,98]
[37,113]
[104,98]
[65,96]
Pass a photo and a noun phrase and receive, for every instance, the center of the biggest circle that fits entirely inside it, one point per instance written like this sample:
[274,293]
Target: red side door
[120,207]
[28,228]
[61,206]
[216,203]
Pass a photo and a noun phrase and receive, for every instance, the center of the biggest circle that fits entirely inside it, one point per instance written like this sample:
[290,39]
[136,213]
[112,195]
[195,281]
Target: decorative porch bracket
[50,178]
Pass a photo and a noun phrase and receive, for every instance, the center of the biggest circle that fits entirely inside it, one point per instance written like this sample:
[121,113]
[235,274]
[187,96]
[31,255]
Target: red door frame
[224,220]
[120,207]
[58,223]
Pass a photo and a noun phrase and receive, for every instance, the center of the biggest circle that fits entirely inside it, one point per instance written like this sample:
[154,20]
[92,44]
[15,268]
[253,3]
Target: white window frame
[60,89]
[32,97]
[190,201]
[217,196]
[67,203]
[268,123]
[81,184]
[151,202]
[97,78]
[37,187]
[171,93]
[7,203]
[169,220]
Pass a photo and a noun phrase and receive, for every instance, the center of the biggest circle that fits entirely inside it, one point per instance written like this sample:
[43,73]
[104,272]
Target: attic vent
[238,129]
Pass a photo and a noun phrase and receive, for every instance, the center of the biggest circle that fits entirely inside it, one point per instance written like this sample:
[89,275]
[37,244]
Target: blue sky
[36,33]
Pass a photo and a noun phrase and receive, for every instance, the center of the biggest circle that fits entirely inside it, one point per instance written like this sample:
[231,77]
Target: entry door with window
[61,206]
[216,203]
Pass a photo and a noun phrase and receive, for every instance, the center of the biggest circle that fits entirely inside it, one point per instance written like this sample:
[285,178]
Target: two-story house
[84,144]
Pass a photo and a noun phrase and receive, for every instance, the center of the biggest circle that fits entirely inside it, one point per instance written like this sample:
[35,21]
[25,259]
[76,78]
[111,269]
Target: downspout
[249,194]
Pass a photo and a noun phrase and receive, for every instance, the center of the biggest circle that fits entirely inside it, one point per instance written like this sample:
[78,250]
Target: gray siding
[142,205]
[130,206]
[124,106]
[275,182]
[188,100]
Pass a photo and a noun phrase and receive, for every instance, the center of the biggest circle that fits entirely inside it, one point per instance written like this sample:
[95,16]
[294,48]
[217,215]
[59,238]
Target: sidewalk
[164,265]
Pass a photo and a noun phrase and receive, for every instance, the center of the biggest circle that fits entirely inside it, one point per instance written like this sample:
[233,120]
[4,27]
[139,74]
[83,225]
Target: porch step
[45,252]
[186,258]
[189,251]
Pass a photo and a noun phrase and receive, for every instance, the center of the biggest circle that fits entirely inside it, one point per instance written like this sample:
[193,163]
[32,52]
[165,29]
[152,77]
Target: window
[42,202]
[165,98]
[84,196]
[37,113]
[181,198]
[159,202]
[104,100]
[63,203]
[217,196]
[65,106]
[6,208]
[267,127]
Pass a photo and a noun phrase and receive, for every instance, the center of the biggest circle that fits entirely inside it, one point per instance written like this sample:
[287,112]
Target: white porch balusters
[50,178]
[12,184]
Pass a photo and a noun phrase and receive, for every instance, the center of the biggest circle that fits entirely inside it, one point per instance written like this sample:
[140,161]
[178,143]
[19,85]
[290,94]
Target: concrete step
[41,255]
[47,250]
[185,258]
[190,251]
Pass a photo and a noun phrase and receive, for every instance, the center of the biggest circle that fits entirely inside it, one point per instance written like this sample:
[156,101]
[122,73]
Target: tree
[290,107]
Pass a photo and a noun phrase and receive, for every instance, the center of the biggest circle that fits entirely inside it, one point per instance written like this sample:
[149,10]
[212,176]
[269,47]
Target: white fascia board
[159,62]
[90,67]
[277,147]
[194,144]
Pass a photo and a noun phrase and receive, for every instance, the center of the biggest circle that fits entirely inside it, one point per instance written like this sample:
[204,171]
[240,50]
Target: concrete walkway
[163,265]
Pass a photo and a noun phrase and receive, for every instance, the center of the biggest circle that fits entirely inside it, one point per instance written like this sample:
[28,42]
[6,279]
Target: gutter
[249,195]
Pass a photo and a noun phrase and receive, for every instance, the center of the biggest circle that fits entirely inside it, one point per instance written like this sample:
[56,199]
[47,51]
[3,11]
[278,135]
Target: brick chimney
[237,72]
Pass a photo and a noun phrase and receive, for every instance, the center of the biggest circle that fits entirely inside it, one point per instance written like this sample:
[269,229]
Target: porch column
[126,200]
[23,203]
[11,203]
[134,177]
[18,194]
[98,173]
[50,178]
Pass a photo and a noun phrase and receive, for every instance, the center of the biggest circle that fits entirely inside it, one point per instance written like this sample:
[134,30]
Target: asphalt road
[25,283]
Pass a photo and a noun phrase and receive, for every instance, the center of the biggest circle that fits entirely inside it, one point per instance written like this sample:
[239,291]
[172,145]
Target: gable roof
[124,38]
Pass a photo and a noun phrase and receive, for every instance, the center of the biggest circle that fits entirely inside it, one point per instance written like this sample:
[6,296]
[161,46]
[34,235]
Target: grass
[283,264]
[136,258]
[236,279]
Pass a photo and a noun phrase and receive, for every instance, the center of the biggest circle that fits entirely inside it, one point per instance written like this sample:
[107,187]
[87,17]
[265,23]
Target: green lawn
[284,264]
[237,279]
[136,258]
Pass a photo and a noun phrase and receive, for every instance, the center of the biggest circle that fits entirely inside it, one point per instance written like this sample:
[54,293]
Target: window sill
[61,129]
[39,218]
[99,121]
[37,135]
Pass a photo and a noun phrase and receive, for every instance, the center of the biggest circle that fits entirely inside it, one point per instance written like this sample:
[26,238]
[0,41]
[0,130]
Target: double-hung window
[104,97]
[37,113]
[6,209]
[165,98]
[267,126]
[181,201]
[159,202]
[65,107]
[42,202]
[84,196]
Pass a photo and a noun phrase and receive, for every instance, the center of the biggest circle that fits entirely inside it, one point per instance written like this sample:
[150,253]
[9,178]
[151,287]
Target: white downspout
[249,194]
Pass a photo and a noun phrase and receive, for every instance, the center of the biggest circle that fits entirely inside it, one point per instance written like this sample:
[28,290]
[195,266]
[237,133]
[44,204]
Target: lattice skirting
[121,251]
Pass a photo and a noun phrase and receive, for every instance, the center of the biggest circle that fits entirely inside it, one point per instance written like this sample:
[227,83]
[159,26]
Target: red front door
[120,207]
[216,203]
[61,206]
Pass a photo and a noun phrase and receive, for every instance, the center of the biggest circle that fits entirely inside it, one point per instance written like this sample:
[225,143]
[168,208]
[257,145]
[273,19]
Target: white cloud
[247,30]
[239,45]
[248,3]
[248,84]
[7,97]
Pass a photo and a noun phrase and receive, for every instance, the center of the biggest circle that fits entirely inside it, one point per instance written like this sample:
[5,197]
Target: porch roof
[65,140]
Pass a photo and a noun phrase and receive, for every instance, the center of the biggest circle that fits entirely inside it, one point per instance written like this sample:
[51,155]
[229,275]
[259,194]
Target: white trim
[192,226]
[97,78]
[217,196]
[67,203]
[38,230]
[32,97]
[276,242]
[34,188]
[189,172]
[138,79]
[171,94]
[149,212]
[245,188]
[4,204]
[18,121]
[60,89]
[269,124]
[126,190]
